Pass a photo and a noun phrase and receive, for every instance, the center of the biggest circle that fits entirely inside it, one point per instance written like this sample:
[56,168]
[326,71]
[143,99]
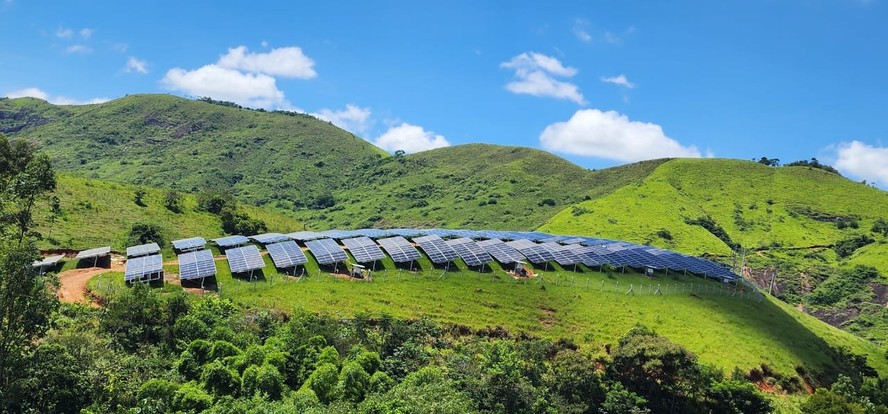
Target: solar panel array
[536,247]
[286,254]
[400,250]
[535,253]
[363,249]
[469,251]
[244,259]
[231,241]
[141,267]
[502,252]
[196,265]
[326,251]
[305,236]
[142,250]
[436,249]
[91,253]
[189,244]
[268,238]
[48,261]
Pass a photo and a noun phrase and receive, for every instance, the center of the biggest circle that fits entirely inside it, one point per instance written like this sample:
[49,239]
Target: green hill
[294,162]
[788,218]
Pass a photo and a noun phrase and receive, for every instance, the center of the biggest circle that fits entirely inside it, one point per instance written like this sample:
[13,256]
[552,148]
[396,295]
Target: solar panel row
[196,265]
[501,251]
[143,267]
[286,254]
[244,259]
[363,249]
[305,236]
[326,251]
[469,251]
[436,249]
[268,238]
[93,253]
[48,261]
[142,250]
[231,241]
[400,250]
[189,244]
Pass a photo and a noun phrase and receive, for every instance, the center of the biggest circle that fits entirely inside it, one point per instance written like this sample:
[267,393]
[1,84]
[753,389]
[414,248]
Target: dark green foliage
[139,198]
[219,379]
[323,381]
[425,391]
[619,400]
[55,382]
[664,373]
[880,227]
[771,162]
[156,395]
[664,234]
[264,380]
[238,222]
[135,317]
[711,226]
[380,382]
[827,402]
[353,382]
[846,247]
[576,381]
[370,361]
[814,163]
[142,233]
[189,328]
[191,398]
[736,397]
[173,201]
[846,287]
[214,201]
[222,349]
[547,202]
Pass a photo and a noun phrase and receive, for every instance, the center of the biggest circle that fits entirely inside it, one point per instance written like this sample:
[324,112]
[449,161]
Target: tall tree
[26,298]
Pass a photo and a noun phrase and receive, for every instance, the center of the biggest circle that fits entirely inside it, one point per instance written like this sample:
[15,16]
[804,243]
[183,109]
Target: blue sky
[600,83]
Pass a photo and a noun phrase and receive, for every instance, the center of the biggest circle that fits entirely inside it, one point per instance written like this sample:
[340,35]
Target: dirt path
[72,283]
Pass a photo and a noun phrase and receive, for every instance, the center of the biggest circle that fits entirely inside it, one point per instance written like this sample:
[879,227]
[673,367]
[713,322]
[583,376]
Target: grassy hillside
[296,163]
[95,213]
[788,218]
[470,186]
[724,331]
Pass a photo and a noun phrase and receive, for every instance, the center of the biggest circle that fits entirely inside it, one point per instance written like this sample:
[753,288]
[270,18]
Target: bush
[846,247]
[143,233]
[880,227]
[664,234]
[547,202]
[220,380]
[214,201]
[324,381]
[237,222]
[139,197]
[173,201]
[191,398]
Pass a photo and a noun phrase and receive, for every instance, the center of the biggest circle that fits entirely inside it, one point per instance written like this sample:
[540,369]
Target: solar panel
[326,251]
[502,252]
[244,259]
[339,234]
[91,253]
[400,250]
[469,251]
[436,249]
[286,254]
[534,252]
[143,267]
[196,265]
[563,255]
[142,250]
[189,244]
[373,233]
[48,261]
[305,235]
[231,241]
[268,238]
[363,249]
[575,240]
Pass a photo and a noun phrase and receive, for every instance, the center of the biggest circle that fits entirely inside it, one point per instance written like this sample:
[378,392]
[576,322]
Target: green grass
[725,331]
[96,213]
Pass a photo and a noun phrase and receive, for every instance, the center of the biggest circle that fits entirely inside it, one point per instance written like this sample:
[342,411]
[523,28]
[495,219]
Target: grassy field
[96,213]
[723,330]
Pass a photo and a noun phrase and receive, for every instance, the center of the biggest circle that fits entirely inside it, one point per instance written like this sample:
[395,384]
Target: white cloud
[134,64]
[580,31]
[620,80]
[78,49]
[264,43]
[288,62]
[864,161]
[64,33]
[535,73]
[353,118]
[612,38]
[86,32]
[58,100]
[410,139]
[249,89]
[611,135]
[119,47]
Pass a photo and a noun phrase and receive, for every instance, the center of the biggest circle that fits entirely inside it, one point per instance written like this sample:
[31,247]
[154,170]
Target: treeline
[152,353]
[813,163]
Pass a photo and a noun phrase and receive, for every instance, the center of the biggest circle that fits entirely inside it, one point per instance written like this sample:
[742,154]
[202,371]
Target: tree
[56,382]
[141,233]
[26,299]
[139,197]
[323,381]
[736,397]
[133,318]
[353,382]
[827,402]
[173,201]
[771,162]
[220,380]
[214,201]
